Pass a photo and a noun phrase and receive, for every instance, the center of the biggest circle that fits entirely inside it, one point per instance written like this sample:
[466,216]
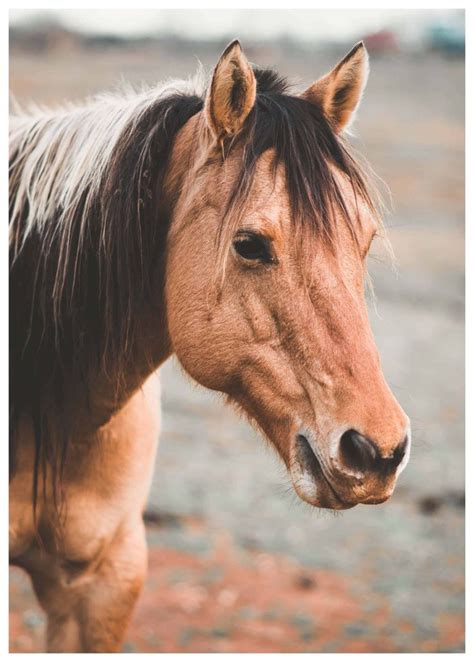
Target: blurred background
[237,562]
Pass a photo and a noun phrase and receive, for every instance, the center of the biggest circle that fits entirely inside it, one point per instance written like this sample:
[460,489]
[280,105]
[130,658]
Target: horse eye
[253,247]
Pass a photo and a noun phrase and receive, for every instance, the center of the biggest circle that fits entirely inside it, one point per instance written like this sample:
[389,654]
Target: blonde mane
[62,152]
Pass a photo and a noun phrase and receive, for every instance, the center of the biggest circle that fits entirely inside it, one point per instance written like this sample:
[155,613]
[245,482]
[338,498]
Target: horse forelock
[317,164]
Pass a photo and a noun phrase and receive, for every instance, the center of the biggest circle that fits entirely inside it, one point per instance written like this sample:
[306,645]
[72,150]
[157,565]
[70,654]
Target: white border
[219,4]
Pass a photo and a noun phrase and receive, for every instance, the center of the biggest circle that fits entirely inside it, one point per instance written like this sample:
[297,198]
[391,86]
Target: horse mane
[87,222]
[85,226]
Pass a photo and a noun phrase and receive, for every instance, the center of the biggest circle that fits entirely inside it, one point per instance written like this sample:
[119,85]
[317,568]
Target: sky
[202,24]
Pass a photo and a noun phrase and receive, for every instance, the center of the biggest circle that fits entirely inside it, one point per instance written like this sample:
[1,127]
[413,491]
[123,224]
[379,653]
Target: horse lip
[375,501]
[307,457]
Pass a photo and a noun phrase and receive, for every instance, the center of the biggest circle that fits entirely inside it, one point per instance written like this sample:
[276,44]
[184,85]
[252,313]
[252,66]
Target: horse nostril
[400,451]
[357,452]
[361,454]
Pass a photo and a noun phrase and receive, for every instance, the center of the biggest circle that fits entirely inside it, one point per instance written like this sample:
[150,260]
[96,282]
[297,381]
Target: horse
[225,223]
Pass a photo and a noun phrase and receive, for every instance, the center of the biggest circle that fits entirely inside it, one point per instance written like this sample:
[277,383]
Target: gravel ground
[237,562]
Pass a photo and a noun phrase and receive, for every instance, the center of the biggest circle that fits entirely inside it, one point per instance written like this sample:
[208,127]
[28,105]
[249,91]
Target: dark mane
[78,279]
[81,263]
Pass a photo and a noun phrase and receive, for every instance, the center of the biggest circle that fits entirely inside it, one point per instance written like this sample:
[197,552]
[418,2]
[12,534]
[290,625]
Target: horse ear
[231,95]
[339,92]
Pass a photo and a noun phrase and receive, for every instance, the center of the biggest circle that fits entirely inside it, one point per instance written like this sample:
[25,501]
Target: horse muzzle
[353,472]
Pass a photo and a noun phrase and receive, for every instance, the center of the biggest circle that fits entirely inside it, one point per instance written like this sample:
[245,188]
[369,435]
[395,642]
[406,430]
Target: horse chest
[106,481]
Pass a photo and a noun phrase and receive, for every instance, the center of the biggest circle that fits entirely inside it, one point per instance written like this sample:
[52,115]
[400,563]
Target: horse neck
[152,344]
[108,391]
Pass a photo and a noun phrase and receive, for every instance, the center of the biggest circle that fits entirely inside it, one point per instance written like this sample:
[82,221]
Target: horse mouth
[309,479]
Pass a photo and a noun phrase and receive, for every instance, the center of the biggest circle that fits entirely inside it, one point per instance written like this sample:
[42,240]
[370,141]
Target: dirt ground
[237,563]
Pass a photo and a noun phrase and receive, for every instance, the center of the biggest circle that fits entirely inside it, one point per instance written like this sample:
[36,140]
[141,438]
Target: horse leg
[89,604]
[90,566]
